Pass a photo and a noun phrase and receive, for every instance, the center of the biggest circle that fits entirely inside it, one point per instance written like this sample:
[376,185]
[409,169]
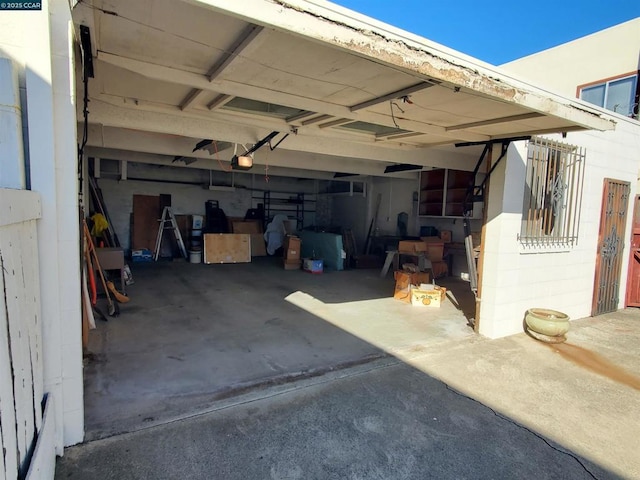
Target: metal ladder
[167,216]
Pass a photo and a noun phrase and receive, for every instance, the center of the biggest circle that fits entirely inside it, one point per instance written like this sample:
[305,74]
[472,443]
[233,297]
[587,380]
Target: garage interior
[356,131]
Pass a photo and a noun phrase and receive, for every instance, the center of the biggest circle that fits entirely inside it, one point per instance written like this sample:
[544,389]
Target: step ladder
[168,222]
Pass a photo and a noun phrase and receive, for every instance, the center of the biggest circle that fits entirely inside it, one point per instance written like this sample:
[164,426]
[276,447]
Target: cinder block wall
[188,197]
[515,279]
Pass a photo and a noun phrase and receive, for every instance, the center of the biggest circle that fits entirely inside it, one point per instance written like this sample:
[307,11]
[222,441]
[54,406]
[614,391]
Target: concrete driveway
[469,408]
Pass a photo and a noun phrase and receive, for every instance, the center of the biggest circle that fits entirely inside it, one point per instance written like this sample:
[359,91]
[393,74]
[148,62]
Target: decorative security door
[633,276]
[613,218]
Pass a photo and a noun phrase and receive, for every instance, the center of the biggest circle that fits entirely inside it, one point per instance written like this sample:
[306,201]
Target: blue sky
[499,31]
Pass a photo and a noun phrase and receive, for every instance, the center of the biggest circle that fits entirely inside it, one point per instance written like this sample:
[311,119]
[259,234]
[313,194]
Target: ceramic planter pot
[547,322]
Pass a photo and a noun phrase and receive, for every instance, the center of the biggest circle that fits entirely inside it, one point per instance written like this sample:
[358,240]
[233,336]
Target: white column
[11,150]
[52,153]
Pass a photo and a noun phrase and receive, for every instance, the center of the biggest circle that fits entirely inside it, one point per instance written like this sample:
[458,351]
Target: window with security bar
[553,193]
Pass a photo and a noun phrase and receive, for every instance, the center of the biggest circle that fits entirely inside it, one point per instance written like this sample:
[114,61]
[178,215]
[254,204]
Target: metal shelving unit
[293,205]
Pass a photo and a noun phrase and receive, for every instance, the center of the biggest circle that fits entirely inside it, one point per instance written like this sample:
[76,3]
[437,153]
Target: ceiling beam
[191,98]
[200,164]
[283,163]
[219,101]
[397,136]
[320,118]
[299,116]
[229,87]
[391,96]
[184,124]
[335,123]
[242,42]
[494,121]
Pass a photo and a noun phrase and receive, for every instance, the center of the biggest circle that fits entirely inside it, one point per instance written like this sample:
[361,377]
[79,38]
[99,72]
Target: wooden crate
[227,248]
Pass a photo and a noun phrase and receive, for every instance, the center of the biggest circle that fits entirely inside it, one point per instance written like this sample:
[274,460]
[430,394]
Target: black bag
[216,220]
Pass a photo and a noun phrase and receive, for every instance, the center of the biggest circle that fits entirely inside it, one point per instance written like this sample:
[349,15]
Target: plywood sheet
[146,212]
[227,248]
[258,245]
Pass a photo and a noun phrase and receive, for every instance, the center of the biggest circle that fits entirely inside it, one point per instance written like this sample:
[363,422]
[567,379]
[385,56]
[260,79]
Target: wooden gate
[633,276]
[613,218]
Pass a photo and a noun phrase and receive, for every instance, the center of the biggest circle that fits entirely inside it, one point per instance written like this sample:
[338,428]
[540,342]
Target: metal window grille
[553,193]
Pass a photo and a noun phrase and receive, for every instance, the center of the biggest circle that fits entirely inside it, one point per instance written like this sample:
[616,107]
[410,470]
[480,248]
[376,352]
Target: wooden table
[112,259]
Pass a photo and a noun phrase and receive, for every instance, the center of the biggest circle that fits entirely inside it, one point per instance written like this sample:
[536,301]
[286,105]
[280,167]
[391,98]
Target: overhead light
[242,162]
[207,145]
[402,167]
[186,160]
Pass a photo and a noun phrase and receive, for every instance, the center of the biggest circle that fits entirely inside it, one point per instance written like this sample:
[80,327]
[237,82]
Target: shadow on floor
[195,333]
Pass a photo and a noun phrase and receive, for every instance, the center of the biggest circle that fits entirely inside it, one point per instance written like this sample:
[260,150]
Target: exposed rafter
[311,121]
[335,123]
[494,121]
[393,95]
[219,101]
[191,98]
[242,42]
[300,116]
[392,136]
[229,87]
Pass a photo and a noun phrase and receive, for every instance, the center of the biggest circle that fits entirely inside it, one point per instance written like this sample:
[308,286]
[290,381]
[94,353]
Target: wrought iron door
[613,219]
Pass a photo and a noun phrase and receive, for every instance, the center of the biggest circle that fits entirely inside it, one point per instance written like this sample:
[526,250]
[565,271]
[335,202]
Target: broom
[113,308]
[116,294]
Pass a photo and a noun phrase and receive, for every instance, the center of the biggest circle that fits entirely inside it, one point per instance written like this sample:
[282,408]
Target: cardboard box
[404,281]
[142,255]
[440,269]
[434,248]
[295,265]
[445,236]
[312,266]
[475,238]
[292,248]
[411,246]
[426,298]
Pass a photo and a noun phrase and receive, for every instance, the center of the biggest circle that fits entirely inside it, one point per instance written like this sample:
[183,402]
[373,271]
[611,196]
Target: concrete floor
[465,408]
[195,334]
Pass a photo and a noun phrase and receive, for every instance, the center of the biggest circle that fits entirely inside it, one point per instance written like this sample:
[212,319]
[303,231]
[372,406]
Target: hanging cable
[215,148]
[393,117]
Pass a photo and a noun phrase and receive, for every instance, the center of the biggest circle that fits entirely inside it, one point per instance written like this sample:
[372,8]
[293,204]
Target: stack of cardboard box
[435,253]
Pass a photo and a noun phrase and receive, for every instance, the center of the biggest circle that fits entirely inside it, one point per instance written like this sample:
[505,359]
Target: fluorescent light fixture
[242,162]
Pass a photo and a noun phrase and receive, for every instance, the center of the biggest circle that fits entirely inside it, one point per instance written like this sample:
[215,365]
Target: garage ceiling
[353,94]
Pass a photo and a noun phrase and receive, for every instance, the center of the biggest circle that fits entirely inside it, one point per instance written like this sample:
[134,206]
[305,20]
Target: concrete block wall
[514,278]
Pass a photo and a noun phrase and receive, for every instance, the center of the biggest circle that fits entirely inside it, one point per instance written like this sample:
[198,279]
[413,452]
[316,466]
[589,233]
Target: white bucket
[195,256]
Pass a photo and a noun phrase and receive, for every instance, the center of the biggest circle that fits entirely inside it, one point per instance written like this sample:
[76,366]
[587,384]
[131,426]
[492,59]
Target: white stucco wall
[514,281]
[604,54]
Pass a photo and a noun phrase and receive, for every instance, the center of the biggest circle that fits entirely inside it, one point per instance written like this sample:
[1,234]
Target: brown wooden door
[611,237]
[633,276]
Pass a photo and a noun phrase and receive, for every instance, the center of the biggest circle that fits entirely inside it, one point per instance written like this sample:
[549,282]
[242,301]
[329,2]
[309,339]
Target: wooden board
[227,248]
[258,245]
[146,213]
[248,226]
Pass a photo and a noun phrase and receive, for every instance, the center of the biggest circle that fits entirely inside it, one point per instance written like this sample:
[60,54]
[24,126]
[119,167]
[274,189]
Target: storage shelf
[442,192]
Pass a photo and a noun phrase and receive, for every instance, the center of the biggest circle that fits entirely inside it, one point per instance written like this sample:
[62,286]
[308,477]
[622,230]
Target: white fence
[21,373]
